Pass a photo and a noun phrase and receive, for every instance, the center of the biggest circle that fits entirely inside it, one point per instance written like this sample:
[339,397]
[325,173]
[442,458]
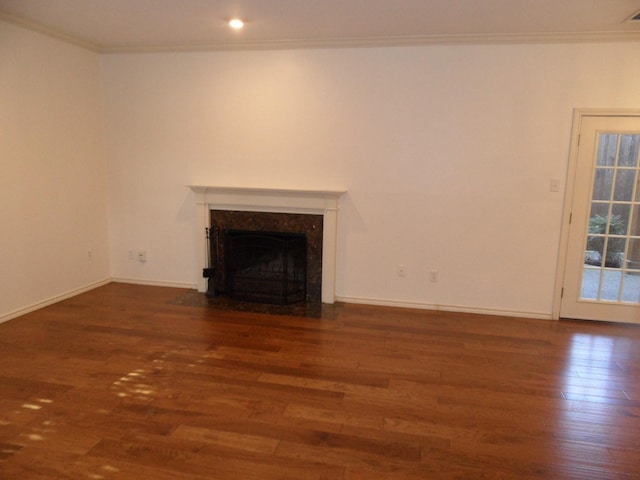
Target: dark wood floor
[122,383]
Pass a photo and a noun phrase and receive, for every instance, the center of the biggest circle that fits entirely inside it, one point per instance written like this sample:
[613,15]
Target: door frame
[578,115]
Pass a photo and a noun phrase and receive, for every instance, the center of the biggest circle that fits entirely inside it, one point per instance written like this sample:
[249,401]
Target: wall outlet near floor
[433,276]
[142,255]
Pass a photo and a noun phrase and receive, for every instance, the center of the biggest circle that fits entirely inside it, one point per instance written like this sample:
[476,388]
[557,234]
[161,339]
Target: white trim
[51,300]
[445,308]
[154,283]
[50,32]
[391,41]
[566,213]
[278,200]
[345,42]
[355,300]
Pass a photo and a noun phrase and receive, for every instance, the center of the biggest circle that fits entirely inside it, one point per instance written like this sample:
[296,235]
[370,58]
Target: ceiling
[148,25]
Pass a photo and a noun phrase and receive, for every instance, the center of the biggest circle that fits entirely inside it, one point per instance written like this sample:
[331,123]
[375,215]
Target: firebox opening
[266,267]
[308,226]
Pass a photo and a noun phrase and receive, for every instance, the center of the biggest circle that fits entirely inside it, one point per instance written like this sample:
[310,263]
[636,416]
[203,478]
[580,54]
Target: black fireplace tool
[208,271]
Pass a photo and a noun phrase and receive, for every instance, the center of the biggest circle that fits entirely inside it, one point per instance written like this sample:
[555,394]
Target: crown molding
[343,42]
[396,41]
[50,32]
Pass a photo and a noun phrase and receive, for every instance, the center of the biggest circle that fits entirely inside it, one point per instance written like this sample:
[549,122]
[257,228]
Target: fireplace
[266,267]
[313,204]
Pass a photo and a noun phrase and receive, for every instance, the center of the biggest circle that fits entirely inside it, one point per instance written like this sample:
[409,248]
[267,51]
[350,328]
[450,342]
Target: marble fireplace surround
[247,199]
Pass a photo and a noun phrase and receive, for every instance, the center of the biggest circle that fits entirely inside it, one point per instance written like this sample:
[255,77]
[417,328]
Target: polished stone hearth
[318,310]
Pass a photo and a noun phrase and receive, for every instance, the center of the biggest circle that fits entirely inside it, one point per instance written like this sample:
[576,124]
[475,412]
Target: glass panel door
[602,271]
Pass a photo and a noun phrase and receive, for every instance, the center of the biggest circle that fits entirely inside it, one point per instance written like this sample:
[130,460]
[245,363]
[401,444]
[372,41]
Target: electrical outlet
[433,276]
[142,255]
[401,270]
[89,254]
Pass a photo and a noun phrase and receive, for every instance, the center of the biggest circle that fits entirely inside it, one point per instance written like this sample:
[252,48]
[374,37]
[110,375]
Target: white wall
[447,153]
[52,171]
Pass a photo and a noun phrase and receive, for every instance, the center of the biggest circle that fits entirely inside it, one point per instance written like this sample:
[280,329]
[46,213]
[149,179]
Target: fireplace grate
[266,267]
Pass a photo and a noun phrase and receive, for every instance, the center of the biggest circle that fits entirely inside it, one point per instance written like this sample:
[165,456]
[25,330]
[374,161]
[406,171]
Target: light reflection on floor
[593,391]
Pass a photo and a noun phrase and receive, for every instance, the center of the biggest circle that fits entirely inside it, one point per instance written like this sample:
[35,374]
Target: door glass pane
[607,148]
[633,255]
[619,223]
[629,147]
[599,224]
[590,283]
[635,222]
[615,252]
[593,254]
[600,209]
[631,289]
[637,195]
[611,283]
[625,181]
[603,184]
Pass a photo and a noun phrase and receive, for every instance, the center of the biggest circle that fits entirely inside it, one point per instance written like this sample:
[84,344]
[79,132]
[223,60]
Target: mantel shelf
[267,191]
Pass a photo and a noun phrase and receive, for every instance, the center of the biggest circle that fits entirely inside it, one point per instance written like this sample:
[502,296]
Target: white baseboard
[154,283]
[357,300]
[51,300]
[446,308]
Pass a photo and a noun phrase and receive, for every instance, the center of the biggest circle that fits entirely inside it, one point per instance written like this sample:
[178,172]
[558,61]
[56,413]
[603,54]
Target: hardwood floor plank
[211,461]
[125,382]
[251,443]
[332,416]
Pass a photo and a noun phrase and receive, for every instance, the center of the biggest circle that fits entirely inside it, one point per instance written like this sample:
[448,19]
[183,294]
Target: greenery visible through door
[595,244]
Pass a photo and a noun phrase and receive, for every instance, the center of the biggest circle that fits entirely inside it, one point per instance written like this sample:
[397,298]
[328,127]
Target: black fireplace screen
[266,267]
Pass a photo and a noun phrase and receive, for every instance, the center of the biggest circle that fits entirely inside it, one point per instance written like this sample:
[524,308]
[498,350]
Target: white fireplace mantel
[316,202]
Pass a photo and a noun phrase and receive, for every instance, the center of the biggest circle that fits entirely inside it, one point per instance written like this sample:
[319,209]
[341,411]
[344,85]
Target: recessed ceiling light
[236,23]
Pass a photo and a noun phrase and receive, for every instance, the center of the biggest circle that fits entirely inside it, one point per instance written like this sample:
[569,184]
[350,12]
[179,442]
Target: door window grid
[611,272]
